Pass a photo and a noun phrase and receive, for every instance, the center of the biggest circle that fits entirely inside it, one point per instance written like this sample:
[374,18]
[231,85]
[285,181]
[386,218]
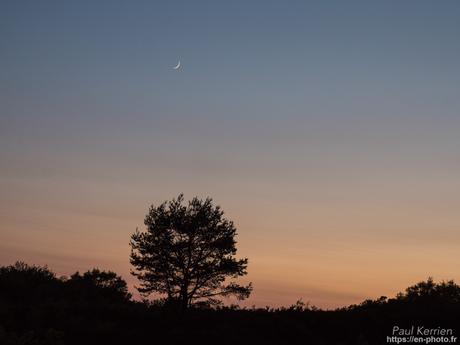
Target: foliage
[187,253]
[92,308]
[105,283]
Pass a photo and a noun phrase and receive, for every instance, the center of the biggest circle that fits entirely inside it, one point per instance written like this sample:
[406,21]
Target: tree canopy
[187,254]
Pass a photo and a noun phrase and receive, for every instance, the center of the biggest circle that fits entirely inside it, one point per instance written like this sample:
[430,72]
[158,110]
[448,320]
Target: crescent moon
[177,66]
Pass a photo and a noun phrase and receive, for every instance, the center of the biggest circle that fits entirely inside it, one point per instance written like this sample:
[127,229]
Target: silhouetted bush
[98,285]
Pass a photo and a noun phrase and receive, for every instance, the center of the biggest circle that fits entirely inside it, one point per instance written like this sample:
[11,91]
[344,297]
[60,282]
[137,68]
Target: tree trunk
[184,297]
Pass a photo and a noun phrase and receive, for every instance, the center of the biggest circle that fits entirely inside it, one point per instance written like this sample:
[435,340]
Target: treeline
[37,307]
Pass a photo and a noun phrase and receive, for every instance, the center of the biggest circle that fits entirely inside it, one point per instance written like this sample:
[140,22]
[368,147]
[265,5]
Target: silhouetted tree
[101,283]
[26,283]
[429,290]
[187,254]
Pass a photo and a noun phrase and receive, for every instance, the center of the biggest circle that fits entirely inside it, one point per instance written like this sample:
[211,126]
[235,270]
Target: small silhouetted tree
[187,254]
[429,290]
[98,284]
[25,283]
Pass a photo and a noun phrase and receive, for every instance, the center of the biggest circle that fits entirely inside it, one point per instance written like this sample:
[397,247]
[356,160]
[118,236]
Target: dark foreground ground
[95,308]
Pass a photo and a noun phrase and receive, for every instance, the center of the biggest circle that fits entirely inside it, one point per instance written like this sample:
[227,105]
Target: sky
[327,131]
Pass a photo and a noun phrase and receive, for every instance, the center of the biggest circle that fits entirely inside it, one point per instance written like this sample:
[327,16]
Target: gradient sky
[328,131]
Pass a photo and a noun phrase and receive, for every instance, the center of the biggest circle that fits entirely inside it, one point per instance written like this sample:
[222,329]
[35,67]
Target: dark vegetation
[36,307]
[186,257]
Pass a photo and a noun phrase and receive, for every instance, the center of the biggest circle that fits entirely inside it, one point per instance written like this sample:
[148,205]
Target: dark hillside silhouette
[36,307]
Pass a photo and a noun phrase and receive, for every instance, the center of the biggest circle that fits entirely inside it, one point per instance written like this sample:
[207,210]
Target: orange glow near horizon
[329,257]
